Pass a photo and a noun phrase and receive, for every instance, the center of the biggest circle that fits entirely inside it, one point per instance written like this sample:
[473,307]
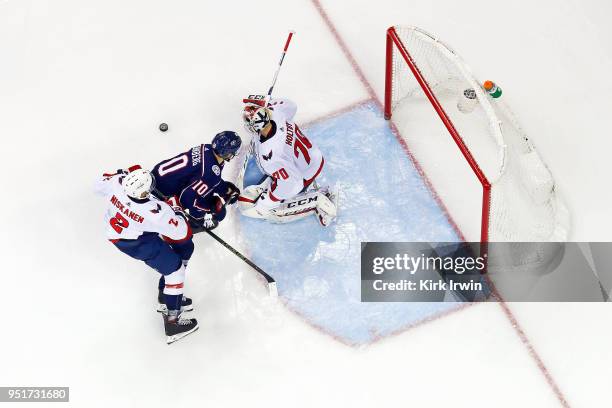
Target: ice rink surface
[83,86]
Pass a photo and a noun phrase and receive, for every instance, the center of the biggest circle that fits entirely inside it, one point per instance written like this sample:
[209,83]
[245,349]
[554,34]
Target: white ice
[83,86]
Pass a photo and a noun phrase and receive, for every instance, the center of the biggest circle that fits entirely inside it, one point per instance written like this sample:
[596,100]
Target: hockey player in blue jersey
[193,179]
[151,231]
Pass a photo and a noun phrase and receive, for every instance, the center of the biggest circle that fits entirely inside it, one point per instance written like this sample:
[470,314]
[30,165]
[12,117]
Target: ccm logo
[302,202]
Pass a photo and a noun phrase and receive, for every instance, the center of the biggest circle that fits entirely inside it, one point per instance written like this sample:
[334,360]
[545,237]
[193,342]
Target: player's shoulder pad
[158,209]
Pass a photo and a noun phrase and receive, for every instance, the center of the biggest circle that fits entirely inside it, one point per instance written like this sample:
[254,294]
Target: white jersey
[128,219]
[288,156]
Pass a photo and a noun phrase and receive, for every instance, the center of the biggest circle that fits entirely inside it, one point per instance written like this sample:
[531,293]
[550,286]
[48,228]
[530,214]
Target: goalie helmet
[138,184]
[226,144]
[255,117]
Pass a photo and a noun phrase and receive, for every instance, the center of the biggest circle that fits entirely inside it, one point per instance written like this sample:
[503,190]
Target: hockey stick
[269,279]
[271,282]
[280,64]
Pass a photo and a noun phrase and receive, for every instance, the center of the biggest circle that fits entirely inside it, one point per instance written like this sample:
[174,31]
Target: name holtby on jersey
[289,135]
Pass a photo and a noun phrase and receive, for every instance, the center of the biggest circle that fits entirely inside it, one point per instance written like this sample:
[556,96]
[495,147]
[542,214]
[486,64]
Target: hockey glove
[209,222]
[176,206]
[116,173]
[123,171]
[231,194]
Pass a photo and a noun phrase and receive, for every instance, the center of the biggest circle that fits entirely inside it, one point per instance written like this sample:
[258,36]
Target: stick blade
[273,290]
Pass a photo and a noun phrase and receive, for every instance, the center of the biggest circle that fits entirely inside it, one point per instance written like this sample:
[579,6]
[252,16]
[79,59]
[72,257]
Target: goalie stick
[280,64]
[272,289]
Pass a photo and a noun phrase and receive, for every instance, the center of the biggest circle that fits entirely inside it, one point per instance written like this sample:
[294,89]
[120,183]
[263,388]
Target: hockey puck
[163,127]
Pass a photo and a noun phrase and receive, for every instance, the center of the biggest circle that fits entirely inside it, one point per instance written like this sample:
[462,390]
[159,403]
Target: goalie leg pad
[319,202]
[327,206]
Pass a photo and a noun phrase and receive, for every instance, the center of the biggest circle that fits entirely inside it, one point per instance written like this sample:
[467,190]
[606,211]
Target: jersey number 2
[118,222]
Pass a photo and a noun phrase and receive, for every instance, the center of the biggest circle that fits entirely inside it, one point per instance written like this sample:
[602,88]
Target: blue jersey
[194,177]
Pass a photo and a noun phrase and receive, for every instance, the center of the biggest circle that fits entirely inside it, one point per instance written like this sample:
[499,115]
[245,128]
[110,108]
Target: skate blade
[161,308]
[176,337]
[273,289]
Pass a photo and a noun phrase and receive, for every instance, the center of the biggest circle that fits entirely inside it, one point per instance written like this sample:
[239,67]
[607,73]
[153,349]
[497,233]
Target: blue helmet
[226,144]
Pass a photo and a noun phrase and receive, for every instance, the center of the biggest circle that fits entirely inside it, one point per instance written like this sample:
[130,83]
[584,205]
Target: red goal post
[519,200]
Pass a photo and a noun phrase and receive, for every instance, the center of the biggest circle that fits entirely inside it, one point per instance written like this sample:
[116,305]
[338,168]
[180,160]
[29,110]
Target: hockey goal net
[476,159]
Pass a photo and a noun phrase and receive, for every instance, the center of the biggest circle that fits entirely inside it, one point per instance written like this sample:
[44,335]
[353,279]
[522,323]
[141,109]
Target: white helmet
[255,117]
[138,184]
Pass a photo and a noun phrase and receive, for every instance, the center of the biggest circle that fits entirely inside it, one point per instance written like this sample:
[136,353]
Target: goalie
[290,163]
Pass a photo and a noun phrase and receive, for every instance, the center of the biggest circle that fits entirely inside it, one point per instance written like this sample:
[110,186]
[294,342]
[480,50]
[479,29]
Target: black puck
[163,127]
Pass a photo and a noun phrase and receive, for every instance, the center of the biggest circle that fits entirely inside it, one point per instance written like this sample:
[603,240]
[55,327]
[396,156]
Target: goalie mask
[138,184]
[255,117]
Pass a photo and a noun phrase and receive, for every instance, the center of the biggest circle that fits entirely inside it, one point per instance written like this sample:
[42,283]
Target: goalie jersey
[287,155]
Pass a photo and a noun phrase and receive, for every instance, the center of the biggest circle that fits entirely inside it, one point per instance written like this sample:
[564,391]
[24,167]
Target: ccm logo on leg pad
[302,202]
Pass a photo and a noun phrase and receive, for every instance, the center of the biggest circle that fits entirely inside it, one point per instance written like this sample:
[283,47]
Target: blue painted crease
[382,197]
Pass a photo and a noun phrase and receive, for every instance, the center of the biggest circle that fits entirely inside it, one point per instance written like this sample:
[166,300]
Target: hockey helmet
[226,144]
[138,184]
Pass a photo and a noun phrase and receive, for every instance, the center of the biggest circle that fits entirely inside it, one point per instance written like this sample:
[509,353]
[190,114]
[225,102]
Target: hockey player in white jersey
[149,230]
[291,162]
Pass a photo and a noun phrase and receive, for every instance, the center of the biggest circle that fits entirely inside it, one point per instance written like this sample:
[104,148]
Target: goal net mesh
[524,206]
